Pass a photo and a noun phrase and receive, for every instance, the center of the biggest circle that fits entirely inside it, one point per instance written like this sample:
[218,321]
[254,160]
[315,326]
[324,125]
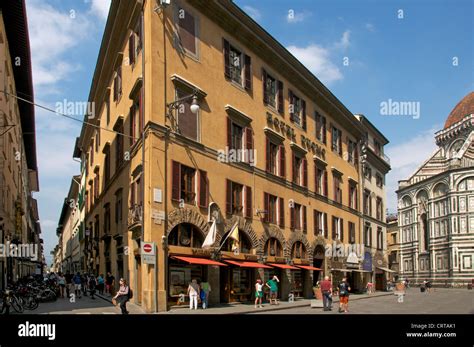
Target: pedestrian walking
[326,289]
[205,289]
[194,293]
[62,284]
[370,287]
[84,283]
[273,285]
[100,284]
[344,289]
[428,286]
[110,284]
[258,293]
[77,280]
[123,296]
[69,284]
[92,285]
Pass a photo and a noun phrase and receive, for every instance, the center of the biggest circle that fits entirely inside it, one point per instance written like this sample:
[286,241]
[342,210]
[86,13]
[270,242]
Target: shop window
[185,235]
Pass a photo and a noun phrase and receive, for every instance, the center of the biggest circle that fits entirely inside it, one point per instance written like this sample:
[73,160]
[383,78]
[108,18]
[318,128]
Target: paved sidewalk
[243,308]
[131,307]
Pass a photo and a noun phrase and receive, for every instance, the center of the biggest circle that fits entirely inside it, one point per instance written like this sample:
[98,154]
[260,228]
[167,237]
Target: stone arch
[437,186]
[299,236]
[244,225]
[419,193]
[406,201]
[187,215]
[272,231]
[320,241]
[462,178]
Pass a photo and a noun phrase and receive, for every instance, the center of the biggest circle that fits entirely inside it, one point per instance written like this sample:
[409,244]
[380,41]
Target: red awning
[201,261]
[307,267]
[284,266]
[248,264]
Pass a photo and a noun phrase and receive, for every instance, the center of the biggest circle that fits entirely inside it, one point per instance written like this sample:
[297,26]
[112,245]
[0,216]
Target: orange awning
[201,261]
[284,266]
[248,264]
[307,267]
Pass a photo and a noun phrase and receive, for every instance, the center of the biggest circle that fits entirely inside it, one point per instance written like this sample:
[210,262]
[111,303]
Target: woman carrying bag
[123,296]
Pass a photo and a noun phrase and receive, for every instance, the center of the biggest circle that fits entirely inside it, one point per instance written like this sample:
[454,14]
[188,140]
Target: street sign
[148,253]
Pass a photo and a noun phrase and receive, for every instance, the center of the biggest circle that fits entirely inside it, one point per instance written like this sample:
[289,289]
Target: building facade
[270,158]
[376,165]
[436,206]
[19,224]
[393,246]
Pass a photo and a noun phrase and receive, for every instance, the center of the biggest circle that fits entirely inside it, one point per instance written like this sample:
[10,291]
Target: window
[337,228]
[240,140]
[235,199]
[367,235]
[136,192]
[352,153]
[377,147]
[96,186]
[107,109]
[297,108]
[298,217]
[353,195]
[298,251]
[272,92]
[368,173]
[136,126]
[186,235]
[119,150]
[320,127]
[97,140]
[188,122]
[337,180]
[320,223]
[273,248]
[237,66]
[379,238]
[107,219]
[118,84]
[300,170]
[321,177]
[367,203]
[184,185]
[118,206]
[379,208]
[336,140]
[270,206]
[275,158]
[352,234]
[187,30]
[106,164]
[379,180]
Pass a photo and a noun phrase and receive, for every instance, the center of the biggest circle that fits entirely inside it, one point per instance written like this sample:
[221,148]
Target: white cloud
[420,148]
[370,27]
[100,8]
[344,42]
[253,12]
[317,59]
[297,16]
[53,33]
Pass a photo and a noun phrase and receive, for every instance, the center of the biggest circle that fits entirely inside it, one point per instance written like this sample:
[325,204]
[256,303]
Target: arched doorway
[318,261]
[237,279]
[181,273]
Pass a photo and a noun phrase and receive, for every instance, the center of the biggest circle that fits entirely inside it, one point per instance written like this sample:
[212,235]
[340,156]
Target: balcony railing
[135,214]
[381,155]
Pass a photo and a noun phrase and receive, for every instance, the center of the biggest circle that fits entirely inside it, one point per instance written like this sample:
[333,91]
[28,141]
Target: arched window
[273,248]
[406,202]
[186,235]
[298,251]
[245,246]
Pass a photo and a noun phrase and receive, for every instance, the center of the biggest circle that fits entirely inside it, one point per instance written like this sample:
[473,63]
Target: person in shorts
[344,289]
[258,293]
[273,285]
[77,280]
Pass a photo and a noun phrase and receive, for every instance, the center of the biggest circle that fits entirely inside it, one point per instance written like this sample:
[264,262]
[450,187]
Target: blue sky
[403,59]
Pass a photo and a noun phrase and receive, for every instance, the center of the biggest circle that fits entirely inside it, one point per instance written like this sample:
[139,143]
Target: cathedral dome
[464,108]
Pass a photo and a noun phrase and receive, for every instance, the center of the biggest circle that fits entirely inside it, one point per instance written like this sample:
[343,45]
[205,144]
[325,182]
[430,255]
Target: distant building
[436,206]
[393,246]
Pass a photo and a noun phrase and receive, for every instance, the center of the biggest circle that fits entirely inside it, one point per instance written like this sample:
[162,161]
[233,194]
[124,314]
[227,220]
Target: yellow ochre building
[200,117]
